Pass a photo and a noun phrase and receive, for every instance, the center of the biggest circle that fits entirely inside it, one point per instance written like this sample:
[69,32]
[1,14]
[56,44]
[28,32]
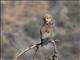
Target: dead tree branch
[23,51]
[37,46]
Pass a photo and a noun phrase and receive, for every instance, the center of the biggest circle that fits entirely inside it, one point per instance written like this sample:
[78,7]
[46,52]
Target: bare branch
[18,55]
[37,46]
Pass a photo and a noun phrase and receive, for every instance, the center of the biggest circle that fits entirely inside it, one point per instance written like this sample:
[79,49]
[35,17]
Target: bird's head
[48,18]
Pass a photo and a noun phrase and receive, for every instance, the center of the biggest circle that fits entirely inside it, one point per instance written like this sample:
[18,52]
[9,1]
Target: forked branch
[37,46]
[18,55]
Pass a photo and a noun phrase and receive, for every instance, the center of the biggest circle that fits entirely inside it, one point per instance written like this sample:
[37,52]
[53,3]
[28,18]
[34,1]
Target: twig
[36,52]
[55,57]
[26,50]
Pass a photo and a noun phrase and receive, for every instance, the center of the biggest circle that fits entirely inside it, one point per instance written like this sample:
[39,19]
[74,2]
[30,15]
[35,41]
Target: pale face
[48,19]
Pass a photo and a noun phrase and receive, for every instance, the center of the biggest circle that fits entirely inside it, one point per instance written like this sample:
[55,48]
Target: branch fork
[37,46]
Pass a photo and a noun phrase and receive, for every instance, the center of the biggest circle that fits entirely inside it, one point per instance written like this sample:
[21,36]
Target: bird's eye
[47,17]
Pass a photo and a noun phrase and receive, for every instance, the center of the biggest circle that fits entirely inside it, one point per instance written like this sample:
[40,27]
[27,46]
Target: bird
[47,29]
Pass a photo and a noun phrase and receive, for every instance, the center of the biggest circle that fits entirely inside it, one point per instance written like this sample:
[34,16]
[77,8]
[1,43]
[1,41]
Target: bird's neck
[48,23]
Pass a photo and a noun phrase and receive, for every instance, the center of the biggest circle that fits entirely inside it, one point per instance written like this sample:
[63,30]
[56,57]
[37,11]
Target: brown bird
[47,29]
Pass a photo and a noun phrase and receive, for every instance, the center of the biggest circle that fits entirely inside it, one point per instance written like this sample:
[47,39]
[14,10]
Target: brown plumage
[47,29]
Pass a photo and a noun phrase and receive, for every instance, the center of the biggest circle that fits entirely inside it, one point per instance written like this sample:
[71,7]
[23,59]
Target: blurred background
[21,22]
